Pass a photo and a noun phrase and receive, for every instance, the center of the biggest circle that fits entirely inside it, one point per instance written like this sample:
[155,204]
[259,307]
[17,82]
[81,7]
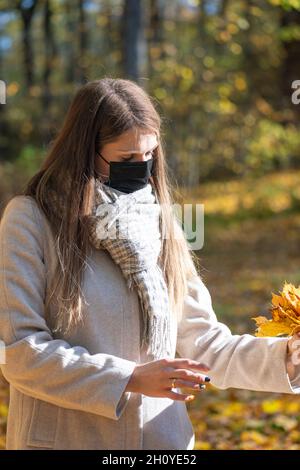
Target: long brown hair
[100,111]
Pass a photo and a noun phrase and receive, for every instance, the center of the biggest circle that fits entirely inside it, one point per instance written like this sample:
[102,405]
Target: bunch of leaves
[285,314]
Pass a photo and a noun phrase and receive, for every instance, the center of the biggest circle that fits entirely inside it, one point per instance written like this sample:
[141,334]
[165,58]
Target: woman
[92,315]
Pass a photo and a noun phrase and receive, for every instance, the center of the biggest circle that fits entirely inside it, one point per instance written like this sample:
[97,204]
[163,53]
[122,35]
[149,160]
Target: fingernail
[202,386]
[207,379]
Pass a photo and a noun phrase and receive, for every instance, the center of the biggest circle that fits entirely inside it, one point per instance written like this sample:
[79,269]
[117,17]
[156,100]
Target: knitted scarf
[127,225]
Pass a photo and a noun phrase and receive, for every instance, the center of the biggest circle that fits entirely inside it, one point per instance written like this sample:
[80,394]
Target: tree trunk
[83,44]
[155,35]
[133,39]
[27,14]
[69,44]
[50,53]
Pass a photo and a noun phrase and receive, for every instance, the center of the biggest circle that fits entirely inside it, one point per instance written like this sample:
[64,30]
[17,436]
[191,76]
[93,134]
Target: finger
[187,363]
[179,396]
[187,375]
[187,384]
[293,343]
[290,369]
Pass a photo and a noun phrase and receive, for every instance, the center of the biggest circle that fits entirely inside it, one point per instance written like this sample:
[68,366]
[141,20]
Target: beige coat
[68,392]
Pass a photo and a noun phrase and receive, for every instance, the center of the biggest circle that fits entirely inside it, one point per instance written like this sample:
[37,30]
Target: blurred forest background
[222,74]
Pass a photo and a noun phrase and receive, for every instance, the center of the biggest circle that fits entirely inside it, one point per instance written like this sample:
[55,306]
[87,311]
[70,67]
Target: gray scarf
[127,225]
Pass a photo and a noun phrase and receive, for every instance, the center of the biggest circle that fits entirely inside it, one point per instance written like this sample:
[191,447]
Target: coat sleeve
[35,363]
[237,361]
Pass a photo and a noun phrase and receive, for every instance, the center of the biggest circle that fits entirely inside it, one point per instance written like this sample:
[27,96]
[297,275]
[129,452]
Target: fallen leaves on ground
[243,420]
[3,411]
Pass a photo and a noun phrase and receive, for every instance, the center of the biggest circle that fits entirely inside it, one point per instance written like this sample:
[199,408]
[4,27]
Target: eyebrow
[133,152]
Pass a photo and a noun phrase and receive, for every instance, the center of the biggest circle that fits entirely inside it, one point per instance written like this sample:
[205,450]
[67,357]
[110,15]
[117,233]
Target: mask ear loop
[100,155]
[153,166]
[152,174]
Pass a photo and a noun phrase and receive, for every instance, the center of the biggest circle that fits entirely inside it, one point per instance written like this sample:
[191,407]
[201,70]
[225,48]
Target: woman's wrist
[131,384]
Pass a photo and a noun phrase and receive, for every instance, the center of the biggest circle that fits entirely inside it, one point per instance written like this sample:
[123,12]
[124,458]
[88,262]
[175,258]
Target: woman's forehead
[134,141]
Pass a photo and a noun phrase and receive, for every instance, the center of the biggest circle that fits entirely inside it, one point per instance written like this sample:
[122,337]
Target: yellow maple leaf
[285,314]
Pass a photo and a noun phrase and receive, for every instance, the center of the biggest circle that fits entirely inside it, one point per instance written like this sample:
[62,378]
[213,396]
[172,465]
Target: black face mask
[129,176]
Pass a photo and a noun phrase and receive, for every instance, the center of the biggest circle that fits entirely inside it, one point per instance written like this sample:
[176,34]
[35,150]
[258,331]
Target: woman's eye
[127,159]
[130,158]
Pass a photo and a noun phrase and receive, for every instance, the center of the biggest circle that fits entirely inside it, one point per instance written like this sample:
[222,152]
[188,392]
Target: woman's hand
[154,378]
[293,354]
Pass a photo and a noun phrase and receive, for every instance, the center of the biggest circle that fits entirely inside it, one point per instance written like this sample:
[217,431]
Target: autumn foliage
[285,314]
